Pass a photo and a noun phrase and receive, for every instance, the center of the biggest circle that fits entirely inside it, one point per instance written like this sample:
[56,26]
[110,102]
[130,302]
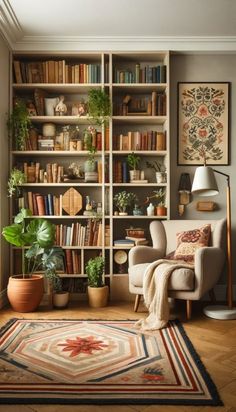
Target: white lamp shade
[204,182]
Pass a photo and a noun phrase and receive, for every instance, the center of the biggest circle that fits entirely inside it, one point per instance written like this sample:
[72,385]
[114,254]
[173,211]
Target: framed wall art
[203,123]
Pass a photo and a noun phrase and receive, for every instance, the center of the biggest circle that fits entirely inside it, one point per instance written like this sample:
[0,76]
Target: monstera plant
[36,240]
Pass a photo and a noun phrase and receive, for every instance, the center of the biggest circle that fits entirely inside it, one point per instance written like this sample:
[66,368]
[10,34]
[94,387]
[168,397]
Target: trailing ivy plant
[19,124]
[99,106]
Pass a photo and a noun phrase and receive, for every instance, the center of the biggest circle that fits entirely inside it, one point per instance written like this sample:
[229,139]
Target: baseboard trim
[3,298]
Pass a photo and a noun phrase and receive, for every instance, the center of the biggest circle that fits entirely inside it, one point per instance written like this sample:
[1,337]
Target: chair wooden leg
[212,295]
[137,302]
[189,308]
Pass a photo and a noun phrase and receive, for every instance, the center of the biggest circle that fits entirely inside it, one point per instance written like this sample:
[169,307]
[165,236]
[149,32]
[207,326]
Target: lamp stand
[222,312]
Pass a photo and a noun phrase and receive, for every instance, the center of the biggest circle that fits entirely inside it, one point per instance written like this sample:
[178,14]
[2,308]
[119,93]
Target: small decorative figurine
[61,108]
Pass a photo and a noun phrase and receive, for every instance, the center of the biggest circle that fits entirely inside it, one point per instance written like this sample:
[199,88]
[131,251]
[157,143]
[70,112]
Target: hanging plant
[19,124]
[99,106]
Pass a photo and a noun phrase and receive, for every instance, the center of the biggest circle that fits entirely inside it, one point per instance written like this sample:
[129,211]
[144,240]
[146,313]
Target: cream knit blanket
[155,292]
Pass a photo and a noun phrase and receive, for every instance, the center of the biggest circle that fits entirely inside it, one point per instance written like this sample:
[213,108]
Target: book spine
[40,205]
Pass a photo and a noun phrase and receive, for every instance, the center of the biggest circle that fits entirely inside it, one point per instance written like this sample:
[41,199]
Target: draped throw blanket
[155,292]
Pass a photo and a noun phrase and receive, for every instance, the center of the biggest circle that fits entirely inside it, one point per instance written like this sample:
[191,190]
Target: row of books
[55,71]
[72,262]
[79,235]
[34,174]
[148,140]
[41,205]
[120,171]
[147,74]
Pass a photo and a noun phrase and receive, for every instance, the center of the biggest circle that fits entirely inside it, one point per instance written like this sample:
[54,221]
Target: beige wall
[4,156]
[204,68]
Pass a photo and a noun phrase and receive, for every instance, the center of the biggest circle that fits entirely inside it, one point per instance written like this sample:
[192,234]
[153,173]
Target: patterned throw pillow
[189,241]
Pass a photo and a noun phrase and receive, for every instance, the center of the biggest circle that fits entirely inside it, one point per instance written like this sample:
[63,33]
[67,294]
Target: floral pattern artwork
[82,345]
[203,123]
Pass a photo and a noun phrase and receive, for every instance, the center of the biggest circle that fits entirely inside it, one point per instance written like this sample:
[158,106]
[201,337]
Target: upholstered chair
[184,283]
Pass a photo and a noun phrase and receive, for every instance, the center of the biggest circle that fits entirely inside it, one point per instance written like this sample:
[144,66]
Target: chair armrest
[143,254]
[209,262]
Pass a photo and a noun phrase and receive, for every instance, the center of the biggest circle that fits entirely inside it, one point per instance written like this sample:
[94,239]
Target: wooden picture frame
[203,123]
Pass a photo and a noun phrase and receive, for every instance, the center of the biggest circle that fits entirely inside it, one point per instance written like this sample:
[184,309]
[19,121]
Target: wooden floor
[215,342]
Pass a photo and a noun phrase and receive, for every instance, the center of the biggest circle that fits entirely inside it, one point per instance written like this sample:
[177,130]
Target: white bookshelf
[117,124]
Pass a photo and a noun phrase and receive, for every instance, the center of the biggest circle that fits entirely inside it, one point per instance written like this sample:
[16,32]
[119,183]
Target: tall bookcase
[134,82]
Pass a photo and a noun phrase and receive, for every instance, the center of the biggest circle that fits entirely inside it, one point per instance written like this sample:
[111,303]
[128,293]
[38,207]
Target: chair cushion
[180,279]
[191,240]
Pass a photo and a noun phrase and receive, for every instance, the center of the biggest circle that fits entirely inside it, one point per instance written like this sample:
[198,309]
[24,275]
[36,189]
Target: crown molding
[9,25]
[215,44]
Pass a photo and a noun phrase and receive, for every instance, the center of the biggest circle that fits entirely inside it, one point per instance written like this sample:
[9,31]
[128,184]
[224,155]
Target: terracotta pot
[60,299]
[25,294]
[161,210]
[98,297]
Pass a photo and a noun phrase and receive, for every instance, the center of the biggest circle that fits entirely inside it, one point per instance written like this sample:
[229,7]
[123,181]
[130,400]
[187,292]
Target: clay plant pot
[25,294]
[161,211]
[60,299]
[98,297]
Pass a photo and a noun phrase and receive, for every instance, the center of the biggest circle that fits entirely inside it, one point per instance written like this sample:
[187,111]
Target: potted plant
[17,178]
[97,290]
[25,290]
[160,196]
[124,200]
[99,106]
[160,170]
[51,260]
[19,124]
[133,162]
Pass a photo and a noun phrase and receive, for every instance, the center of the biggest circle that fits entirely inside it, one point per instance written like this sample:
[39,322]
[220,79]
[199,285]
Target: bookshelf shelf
[140,89]
[140,152]
[63,119]
[57,88]
[158,120]
[140,217]
[54,153]
[62,184]
[139,184]
[62,217]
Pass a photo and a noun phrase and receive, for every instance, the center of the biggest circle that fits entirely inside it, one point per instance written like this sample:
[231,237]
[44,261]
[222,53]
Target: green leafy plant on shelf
[95,271]
[157,166]
[159,195]
[19,124]
[99,106]
[133,161]
[124,200]
[17,178]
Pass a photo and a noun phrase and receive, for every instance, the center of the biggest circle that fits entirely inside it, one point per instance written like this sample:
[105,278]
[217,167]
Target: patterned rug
[100,362]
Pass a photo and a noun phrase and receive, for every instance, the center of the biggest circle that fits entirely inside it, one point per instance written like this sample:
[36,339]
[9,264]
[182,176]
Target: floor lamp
[204,184]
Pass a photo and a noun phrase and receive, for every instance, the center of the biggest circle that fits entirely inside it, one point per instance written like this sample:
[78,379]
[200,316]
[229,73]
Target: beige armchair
[184,284]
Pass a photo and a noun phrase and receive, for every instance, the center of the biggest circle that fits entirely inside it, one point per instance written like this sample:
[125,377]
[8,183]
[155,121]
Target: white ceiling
[48,21]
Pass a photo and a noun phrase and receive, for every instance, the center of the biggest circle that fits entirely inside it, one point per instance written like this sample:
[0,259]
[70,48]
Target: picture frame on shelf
[203,123]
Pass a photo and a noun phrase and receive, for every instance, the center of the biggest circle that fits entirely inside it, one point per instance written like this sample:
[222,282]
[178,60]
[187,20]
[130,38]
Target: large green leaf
[42,231]
[34,251]
[13,234]
[24,213]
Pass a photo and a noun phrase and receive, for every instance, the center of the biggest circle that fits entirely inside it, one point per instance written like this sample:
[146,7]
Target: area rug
[100,362]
